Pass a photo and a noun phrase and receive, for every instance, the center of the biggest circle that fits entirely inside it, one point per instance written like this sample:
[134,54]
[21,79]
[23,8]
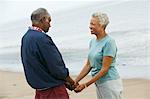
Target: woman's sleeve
[110,49]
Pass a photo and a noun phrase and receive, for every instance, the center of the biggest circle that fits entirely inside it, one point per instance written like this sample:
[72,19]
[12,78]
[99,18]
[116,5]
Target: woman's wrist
[85,85]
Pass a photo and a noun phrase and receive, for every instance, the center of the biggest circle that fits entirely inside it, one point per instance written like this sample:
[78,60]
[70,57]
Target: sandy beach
[14,86]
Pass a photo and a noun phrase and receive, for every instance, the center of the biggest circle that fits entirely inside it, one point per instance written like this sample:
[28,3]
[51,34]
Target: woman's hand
[79,88]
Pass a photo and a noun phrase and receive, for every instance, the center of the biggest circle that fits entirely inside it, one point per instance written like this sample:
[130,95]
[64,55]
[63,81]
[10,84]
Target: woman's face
[94,25]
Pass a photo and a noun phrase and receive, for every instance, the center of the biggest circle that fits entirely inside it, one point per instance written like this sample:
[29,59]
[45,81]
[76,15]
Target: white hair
[102,17]
[38,14]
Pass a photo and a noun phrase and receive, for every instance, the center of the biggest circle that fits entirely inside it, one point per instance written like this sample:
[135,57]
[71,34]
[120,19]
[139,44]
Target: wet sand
[14,86]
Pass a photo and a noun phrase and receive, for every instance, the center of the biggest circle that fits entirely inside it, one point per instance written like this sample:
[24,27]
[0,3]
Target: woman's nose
[90,27]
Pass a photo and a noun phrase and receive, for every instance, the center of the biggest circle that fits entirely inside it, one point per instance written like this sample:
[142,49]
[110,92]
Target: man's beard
[46,30]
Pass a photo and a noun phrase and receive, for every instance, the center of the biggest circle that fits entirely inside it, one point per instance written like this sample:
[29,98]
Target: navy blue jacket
[42,61]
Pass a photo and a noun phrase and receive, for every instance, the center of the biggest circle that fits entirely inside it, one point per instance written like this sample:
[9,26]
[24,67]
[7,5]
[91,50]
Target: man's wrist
[70,80]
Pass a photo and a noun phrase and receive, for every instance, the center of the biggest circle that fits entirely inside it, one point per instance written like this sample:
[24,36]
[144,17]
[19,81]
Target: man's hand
[69,86]
[76,84]
[70,83]
[70,80]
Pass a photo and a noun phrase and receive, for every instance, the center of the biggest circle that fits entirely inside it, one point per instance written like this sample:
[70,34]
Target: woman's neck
[101,35]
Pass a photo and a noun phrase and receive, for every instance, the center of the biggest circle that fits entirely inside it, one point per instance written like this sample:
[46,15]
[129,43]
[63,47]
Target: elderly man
[43,65]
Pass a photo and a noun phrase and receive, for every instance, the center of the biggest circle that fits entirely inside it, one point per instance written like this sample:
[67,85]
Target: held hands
[70,83]
[76,87]
[79,88]
[71,86]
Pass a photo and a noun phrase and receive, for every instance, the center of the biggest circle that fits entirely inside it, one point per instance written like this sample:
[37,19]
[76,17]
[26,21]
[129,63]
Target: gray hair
[103,18]
[38,14]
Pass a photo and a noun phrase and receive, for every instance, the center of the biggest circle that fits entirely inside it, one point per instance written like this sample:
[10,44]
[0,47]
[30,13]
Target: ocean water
[128,67]
[129,26]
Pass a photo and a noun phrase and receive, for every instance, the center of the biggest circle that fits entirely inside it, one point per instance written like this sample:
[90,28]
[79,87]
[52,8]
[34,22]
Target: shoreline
[13,85]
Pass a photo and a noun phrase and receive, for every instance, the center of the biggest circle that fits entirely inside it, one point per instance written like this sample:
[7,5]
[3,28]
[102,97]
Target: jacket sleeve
[51,58]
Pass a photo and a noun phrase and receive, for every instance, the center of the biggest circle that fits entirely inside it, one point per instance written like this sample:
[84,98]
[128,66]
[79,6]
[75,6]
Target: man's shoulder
[38,37]
[34,34]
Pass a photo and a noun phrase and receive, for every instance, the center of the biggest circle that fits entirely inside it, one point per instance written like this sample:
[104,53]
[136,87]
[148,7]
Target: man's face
[94,25]
[46,23]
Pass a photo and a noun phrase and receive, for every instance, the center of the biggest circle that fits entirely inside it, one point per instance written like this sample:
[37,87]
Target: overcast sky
[16,9]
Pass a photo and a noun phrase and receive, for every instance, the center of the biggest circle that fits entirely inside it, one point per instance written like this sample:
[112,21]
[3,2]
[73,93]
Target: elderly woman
[101,61]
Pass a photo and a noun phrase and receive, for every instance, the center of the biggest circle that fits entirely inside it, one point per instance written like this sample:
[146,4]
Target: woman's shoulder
[110,39]
[92,40]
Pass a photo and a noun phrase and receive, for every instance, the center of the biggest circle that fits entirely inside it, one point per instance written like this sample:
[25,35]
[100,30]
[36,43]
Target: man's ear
[43,20]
